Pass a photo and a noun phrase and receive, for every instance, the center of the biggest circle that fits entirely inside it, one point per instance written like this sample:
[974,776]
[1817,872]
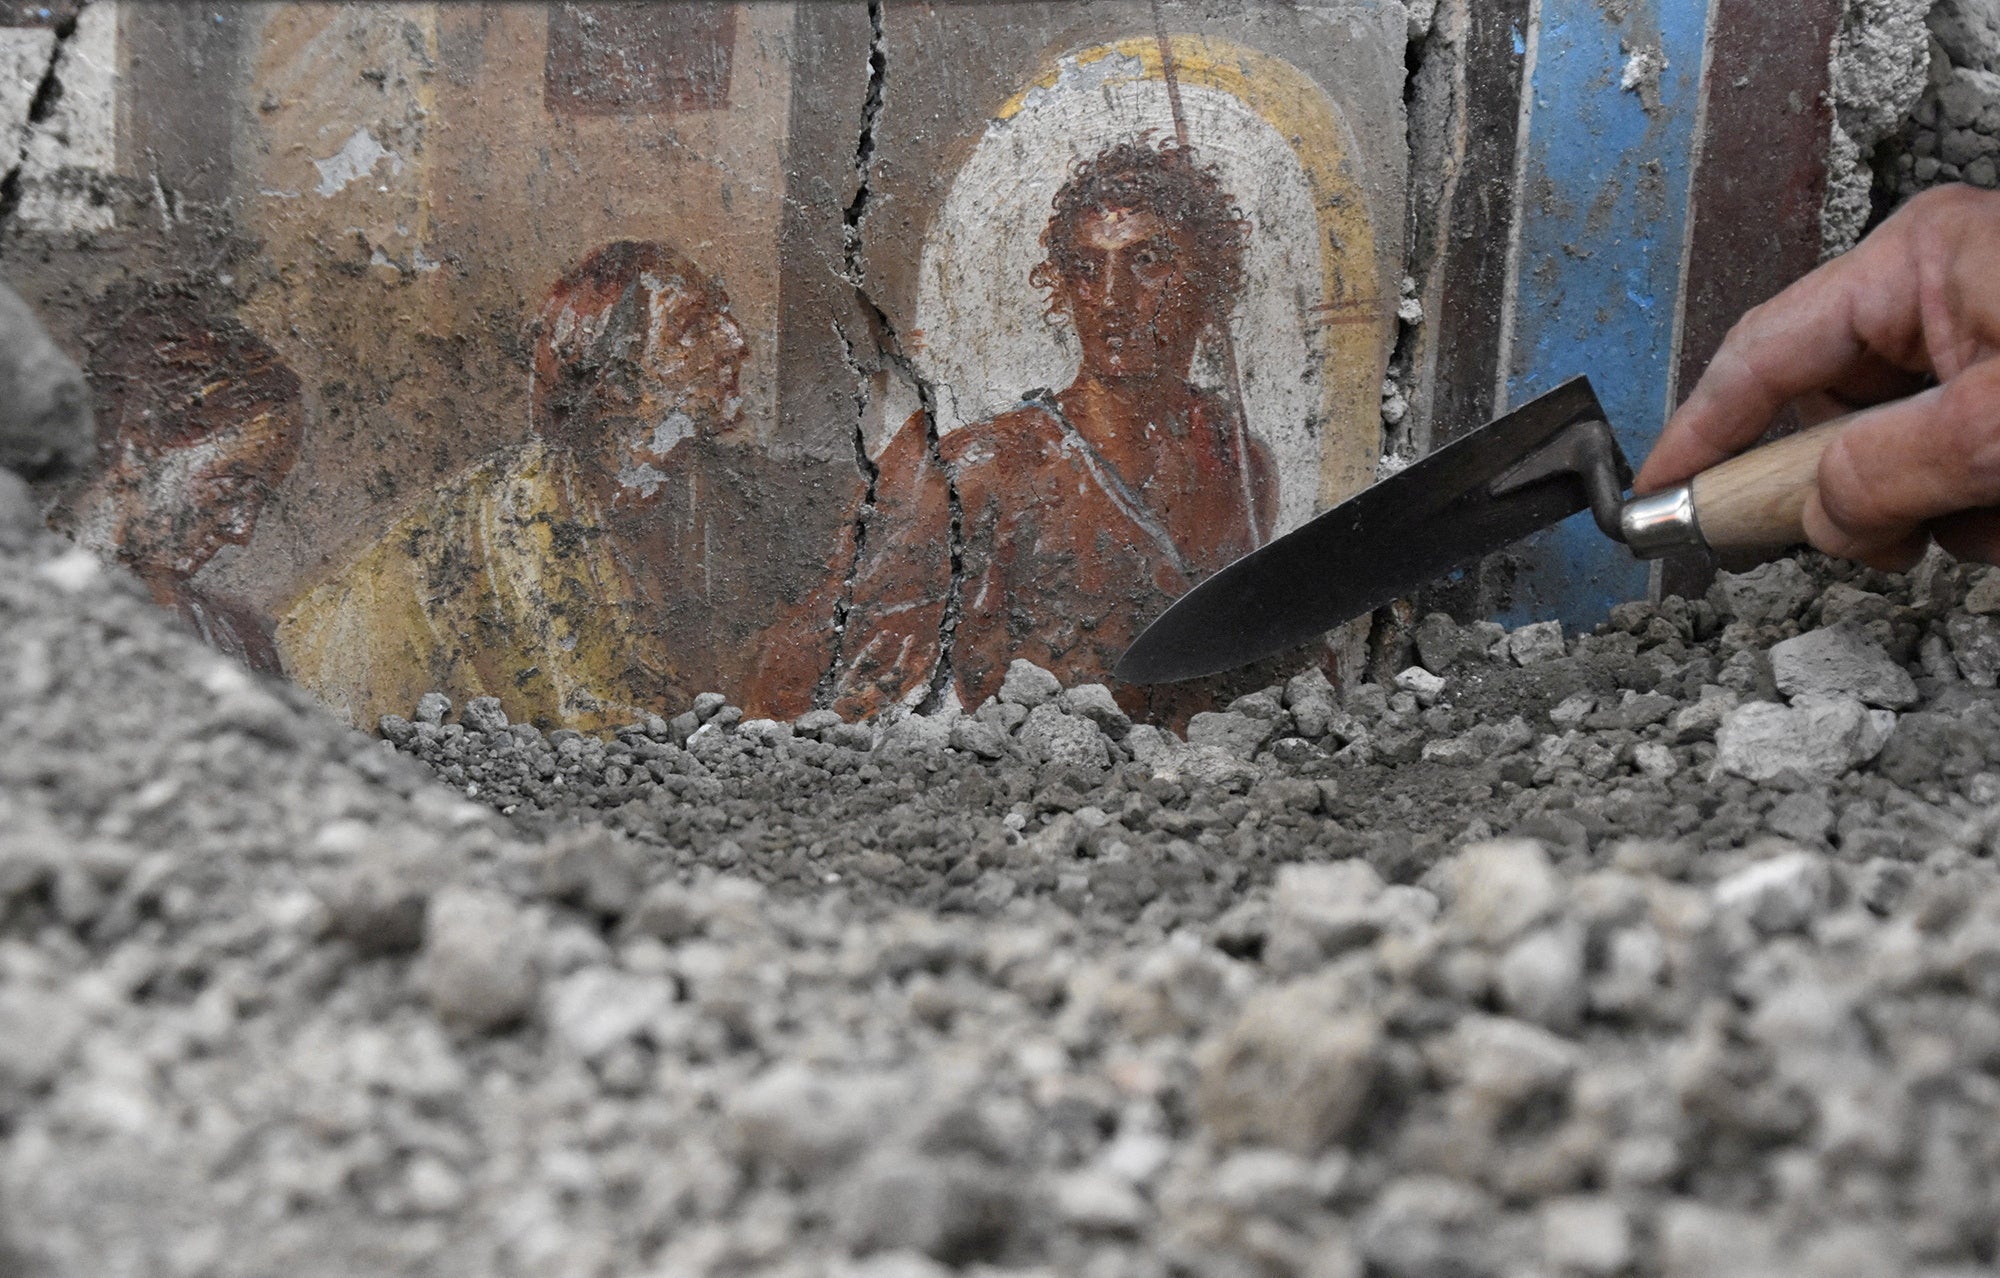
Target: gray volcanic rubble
[1952,132]
[1672,949]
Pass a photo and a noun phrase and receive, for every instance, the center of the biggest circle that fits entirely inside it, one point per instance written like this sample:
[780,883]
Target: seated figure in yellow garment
[546,575]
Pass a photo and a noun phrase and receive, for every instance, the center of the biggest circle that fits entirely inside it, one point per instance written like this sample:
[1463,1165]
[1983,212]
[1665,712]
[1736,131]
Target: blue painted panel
[1603,211]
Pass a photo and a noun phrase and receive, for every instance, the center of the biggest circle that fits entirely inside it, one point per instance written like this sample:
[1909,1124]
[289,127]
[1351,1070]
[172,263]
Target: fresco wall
[590,356]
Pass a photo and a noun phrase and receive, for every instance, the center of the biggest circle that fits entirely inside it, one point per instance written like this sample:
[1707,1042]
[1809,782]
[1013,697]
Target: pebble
[1422,684]
[1841,661]
[46,427]
[1093,701]
[1540,978]
[1781,894]
[1293,1071]
[596,1009]
[1051,735]
[1767,594]
[1586,1234]
[1028,685]
[1499,888]
[1815,738]
[1537,643]
[475,970]
[1232,732]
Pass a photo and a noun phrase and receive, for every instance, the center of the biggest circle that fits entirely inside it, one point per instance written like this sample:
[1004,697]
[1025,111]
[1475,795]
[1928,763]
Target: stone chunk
[1066,740]
[1541,977]
[1531,645]
[1440,642]
[1500,888]
[1321,911]
[1841,661]
[1027,684]
[1768,593]
[1655,760]
[1963,98]
[1265,703]
[808,1121]
[1201,765]
[1481,742]
[956,1210]
[1290,1072]
[1635,710]
[1586,1234]
[1503,1064]
[1099,1202]
[1984,596]
[1094,702]
[1699,721]
[1804,818]
[1309,696]
[45,421]
[1421,684]
[1841,602]
[1975,646]
[38,1031]
[1239,734]
[1572,710]
[596,1009]
[476,969]
[376,901]
[1816,738]
[1779,895]
[483,714]
[976,736]
[919,734]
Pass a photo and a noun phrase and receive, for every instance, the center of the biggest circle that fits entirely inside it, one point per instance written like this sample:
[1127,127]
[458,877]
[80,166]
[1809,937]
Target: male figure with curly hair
[1080,514]
[554,575]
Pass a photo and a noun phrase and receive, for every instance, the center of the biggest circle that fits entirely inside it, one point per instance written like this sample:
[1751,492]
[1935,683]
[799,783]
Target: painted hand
[1917,300]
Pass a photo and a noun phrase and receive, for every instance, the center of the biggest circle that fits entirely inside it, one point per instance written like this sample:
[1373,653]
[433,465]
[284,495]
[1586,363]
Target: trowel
[1537,465]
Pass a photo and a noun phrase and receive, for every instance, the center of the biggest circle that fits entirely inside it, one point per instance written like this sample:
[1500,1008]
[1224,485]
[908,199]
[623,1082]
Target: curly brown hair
[1168,180]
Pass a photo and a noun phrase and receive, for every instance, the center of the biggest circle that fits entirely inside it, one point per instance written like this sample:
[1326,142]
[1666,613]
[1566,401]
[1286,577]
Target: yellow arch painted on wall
[1358,321]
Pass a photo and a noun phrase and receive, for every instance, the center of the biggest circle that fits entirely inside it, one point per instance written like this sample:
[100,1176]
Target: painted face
[691,371]
[170,511]
[1137,308]
[629,373]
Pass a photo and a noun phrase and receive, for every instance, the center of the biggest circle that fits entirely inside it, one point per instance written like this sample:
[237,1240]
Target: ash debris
[1952,133]
[1509,968]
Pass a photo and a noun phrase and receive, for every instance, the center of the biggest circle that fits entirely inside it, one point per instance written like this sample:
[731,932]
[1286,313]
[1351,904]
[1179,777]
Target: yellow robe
[502,584]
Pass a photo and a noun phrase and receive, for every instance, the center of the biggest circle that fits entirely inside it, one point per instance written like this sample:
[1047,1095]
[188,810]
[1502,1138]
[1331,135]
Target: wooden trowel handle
[1755,501]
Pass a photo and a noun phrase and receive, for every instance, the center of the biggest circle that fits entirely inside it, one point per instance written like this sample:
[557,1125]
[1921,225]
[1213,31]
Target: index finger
[1804,339]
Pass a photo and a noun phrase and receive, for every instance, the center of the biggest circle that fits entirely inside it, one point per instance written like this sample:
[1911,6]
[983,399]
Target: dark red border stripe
[1760,175]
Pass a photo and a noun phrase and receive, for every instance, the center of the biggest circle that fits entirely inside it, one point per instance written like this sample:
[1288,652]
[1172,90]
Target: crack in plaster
[889,352]
[1402,437]
[48,91]
[843,607]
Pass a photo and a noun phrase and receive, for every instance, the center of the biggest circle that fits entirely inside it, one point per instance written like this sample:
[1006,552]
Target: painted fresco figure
[198,423]
[547,575]
[1079,514]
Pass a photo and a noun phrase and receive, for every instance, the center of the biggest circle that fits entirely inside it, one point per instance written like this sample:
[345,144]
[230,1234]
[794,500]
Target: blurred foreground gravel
[1670,950]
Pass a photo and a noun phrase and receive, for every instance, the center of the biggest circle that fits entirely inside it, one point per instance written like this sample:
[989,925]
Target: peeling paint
[356,159]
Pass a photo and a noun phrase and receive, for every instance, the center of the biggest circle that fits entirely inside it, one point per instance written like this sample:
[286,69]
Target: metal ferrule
[1663,522]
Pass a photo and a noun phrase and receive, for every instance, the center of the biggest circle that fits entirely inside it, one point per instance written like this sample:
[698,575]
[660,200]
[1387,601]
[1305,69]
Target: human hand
[1919,299]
